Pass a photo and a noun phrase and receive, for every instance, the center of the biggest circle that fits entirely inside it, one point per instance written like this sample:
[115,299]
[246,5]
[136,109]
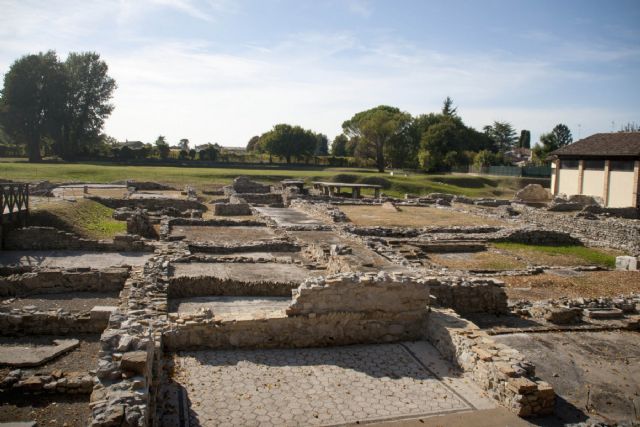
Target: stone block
[135,361]
[521,385]
[102,312]
[626,263]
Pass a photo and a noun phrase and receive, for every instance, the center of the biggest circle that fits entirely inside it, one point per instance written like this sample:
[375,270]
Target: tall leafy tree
[447,107]
[339,145]
[562,135]
[437,142]
[89,90]
[252,145]
[163,147]
[377,127]
[322,145]
[33,100]
[184,144]
[502,134]
[288,141]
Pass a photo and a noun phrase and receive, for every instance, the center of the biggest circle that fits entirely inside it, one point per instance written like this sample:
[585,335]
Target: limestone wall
[181,287]
[470,295]
[149,204]
[18,322]
[623,234]
[357,292]
[49,238]
[56,281]
[231,209]
[502,371]
[298,331]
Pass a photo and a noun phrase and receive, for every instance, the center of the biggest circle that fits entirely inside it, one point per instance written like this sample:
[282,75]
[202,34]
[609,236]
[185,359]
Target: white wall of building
[620,189]
[567,181]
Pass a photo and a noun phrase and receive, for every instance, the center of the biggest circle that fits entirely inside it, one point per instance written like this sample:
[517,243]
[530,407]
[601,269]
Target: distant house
[518,156]
[604,165]
[134,145]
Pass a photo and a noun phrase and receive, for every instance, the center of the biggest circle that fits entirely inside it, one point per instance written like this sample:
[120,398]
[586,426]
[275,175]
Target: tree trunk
[379,156]
[34,149]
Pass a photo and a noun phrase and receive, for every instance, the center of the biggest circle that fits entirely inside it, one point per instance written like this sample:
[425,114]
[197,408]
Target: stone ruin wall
[56,281]
[470,295]
[194,286]
[500,370]
[49,238]
[623,234]
[149,204]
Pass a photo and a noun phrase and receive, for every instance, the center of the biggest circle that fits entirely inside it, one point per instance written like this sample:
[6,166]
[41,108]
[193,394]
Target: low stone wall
[215,222]
[49,238]
[18,322]
[182,287]
[57,281]
[271,199]
[470,295]
[149,204]
[623,234]
[231,209]
[243,184]
[500,370]
[359,292]
[324,211]
[536,236]
[257,246]
[298,331]
[58,382]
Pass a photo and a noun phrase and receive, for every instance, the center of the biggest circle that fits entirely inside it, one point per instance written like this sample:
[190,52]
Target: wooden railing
[14,206]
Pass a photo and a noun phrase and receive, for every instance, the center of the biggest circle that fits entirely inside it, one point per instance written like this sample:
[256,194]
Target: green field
[201,177]
[588,255]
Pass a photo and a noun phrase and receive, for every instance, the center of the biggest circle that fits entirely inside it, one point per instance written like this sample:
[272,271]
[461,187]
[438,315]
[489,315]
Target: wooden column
[556,182]
[605,195]
[636,184]
[580,175]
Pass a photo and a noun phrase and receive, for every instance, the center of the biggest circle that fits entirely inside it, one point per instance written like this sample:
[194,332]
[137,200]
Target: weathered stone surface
[139,223]
[135,361]
[231,209]
[535,193]
[629,263]
[21,356]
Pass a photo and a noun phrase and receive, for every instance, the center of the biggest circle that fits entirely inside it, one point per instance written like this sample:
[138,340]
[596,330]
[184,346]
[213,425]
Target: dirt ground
[595,374]
[81,359]
[223,234]
[486,260]
[84,301]
[572,284]
[414,216]
[46,410]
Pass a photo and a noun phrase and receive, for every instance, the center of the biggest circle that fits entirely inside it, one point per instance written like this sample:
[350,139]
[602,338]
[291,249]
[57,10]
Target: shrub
[344,177]
[377,180]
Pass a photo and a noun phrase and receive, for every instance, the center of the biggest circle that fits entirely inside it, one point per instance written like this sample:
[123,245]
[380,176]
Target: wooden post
[580,175]
[605,196]
[556,182]
[636,185]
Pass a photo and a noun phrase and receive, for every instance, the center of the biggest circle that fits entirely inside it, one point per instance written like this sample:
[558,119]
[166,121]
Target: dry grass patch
[489,260]
[414,216]
[585,284]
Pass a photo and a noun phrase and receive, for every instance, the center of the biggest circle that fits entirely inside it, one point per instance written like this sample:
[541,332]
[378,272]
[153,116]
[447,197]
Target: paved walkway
[320,386]
[288,217]
[71,259]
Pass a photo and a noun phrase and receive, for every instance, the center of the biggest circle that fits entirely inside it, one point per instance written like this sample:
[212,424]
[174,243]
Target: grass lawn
[85,218]
[201,177]
[560,255]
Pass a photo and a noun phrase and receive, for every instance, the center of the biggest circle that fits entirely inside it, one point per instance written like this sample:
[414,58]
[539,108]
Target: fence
[524,171]
[14,206]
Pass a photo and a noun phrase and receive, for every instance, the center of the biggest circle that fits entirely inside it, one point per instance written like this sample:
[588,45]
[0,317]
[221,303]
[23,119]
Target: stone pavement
[73,259]
[227,307]
[319,386]
[288,217]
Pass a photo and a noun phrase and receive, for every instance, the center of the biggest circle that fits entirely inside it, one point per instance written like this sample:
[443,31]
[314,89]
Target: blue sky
[224,70]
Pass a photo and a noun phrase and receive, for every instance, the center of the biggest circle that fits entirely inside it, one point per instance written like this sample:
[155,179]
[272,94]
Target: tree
[192,154]
[448,109]
[339,145]
[163,147]
[89,89]
[437,142]
[287,141]
[559,136]
[322,145]
[502,134]
[209,152]
[377,127]
[562,135]
[184,144]
[252,145]
[525,139]
[33,99]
